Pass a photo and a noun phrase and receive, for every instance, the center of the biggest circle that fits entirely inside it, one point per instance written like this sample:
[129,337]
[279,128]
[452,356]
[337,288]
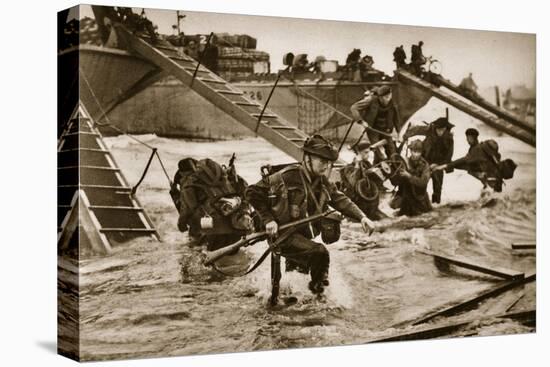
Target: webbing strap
[111,126]
[134,189]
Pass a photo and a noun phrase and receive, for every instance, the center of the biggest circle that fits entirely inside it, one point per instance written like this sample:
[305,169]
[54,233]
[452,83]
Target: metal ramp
[521,131]
[500,112]
[219,92]
[94,198]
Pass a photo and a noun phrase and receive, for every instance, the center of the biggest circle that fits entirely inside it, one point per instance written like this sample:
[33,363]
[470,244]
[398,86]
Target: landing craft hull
[96,75]
[167,107]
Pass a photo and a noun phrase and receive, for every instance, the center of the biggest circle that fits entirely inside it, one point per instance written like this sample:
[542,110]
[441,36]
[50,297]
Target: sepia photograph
[236,183]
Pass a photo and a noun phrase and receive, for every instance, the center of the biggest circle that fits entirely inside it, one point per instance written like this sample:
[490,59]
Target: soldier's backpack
[221,207]
[507,168]
[186,167]
[212,179]
[490,147]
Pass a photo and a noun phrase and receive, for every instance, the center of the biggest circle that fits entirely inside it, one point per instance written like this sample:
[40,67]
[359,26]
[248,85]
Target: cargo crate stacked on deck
[237,56]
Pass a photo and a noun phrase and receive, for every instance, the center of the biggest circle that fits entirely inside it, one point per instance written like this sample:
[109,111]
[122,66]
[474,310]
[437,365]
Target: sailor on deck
[399,56]
[417,58]
[299,191]
[468,86]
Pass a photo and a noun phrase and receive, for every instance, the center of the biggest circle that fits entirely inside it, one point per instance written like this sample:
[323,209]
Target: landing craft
[314,99]
[99,53]
[102,74]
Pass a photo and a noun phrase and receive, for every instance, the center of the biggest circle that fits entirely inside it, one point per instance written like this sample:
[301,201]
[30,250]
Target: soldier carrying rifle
[299,191]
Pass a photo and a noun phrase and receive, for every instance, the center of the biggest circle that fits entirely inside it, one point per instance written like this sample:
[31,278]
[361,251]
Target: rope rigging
[154,150]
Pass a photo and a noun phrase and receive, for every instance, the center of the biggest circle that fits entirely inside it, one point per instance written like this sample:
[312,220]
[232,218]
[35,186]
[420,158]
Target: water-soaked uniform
[482,162]
[362,188]
[412,192]
[436,150]
[379,117]
[199,193]
[299,195]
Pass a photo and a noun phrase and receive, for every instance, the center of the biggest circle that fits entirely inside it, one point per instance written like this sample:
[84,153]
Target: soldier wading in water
[297,192]
[437,149]
[209,198]
[381,114]
[412,198]
[361,183]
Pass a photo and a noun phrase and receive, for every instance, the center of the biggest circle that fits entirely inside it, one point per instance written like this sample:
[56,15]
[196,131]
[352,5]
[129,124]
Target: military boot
[317,286]
[324,279]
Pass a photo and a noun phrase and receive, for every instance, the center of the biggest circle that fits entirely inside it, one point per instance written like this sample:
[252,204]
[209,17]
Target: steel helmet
[320,147]
[491,145]
[320,58]
[416,146]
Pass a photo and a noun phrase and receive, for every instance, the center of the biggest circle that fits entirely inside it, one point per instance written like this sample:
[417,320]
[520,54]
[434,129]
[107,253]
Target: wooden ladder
[219,92]
[518,131]
[92,191]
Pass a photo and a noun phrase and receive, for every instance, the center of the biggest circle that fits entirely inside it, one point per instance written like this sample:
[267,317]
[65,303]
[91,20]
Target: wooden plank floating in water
[515,301]
[524,246]
[468,264]
[431,332]
[474,301]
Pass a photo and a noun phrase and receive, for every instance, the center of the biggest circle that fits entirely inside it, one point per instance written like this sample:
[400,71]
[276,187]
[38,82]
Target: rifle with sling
[252,238]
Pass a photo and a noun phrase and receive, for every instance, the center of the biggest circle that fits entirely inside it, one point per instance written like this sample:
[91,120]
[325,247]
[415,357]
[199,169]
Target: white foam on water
[375,277]
[339,291]
[124,141]
[260,279]
[418,239]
